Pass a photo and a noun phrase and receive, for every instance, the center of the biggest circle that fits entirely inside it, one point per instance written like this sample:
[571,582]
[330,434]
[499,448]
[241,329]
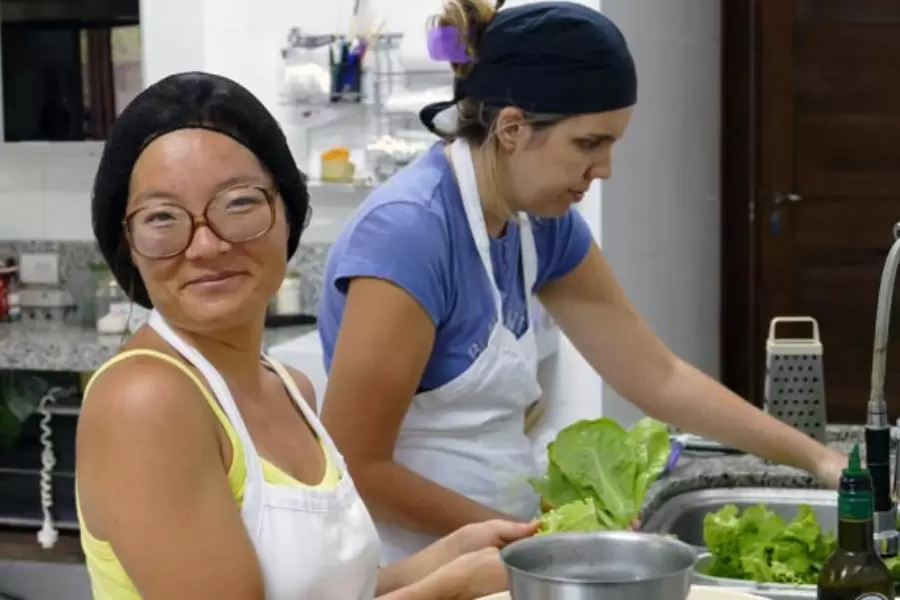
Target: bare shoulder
[143,392]
[140,416]
[152,484]
[304,385]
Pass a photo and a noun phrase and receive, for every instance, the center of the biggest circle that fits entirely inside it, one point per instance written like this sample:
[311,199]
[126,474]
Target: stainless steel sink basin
[32,580]
[682,516]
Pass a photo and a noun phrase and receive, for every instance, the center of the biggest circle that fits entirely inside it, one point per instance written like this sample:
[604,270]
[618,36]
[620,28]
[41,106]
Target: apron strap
[308,413]
[252,504]
[529,254]
[468,190]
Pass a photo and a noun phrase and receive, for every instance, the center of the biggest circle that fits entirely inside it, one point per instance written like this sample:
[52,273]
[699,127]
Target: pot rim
[538,540]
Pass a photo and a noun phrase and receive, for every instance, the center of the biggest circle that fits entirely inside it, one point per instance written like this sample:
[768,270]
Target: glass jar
[287,301]
[111,305]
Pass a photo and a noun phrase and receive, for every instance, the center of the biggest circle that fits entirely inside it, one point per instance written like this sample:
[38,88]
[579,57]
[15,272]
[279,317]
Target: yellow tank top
[108,579]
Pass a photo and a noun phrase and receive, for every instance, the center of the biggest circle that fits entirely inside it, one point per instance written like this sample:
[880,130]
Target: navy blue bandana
[558,58]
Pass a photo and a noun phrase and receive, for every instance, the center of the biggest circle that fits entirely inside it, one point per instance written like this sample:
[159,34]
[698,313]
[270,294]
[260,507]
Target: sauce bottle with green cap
[855,571]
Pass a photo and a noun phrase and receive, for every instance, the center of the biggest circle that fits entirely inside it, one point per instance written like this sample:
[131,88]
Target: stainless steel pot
[607,565]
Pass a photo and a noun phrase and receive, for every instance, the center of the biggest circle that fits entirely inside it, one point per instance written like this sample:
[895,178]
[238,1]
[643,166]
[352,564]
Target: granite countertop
[698,471]
[80,349]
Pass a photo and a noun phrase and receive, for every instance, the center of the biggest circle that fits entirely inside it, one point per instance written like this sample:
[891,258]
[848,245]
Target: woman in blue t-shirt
[424,318]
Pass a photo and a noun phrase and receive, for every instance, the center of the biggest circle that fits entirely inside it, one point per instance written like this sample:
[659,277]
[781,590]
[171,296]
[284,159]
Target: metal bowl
[606,565]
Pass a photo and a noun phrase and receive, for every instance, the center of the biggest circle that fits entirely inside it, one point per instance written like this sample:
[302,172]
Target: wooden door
[828,181]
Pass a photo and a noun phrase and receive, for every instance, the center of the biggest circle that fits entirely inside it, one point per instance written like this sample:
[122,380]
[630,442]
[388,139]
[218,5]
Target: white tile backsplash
[67,216]
[45,190]
[22,215]
[70,173]
[19,173]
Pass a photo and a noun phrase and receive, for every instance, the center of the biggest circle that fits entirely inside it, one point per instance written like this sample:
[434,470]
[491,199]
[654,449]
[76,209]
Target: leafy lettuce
[598,474]
[759,545]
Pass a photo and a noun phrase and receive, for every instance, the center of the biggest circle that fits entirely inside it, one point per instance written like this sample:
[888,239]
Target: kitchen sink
[33,580]
[682,516]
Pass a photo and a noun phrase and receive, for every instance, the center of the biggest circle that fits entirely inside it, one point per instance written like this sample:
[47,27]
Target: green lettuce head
[598,474]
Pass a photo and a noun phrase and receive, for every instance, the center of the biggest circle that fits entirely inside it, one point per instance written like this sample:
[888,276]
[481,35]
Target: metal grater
[795,390]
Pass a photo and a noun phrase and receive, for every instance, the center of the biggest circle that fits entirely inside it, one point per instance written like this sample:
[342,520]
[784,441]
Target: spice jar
[287,303]
[111,305]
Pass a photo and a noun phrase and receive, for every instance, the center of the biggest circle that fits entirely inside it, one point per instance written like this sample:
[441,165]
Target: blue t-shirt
[412,231]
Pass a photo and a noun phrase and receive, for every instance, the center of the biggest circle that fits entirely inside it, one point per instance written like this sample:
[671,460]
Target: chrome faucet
[878,429]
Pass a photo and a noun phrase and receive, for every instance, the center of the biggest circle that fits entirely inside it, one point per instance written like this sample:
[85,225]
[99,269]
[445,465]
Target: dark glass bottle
[855,571]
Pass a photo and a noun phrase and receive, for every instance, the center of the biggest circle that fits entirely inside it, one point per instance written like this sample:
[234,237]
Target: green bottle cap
[855,499]
[854,465]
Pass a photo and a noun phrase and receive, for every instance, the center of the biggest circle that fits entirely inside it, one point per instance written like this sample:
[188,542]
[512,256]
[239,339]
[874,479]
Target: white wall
[237,39]
[660,224]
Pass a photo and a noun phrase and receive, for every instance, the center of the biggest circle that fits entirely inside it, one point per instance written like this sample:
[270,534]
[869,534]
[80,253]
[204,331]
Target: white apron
[469,434]
[315,544]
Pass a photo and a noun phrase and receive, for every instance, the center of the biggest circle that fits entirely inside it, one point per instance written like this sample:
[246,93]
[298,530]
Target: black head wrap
[185,101]
[558,58]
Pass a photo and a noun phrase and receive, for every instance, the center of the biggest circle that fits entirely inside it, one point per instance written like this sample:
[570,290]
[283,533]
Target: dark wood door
[828,181]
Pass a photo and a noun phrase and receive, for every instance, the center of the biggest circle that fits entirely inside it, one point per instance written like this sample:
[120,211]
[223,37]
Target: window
[82,67]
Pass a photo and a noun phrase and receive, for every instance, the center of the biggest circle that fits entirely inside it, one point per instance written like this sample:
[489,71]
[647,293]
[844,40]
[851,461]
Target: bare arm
[378,362]
[591,308]
[152,483]
[474,575]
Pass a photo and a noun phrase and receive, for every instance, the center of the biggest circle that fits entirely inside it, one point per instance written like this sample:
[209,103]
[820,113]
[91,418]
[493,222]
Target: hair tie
[445,45]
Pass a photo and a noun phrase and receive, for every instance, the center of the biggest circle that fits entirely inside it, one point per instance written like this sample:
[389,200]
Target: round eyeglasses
[236,216]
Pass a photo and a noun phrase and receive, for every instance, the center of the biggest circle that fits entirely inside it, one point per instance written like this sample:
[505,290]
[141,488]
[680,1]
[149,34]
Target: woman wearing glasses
[202,469]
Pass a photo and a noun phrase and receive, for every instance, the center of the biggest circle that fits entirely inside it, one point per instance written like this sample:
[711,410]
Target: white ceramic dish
[698,592]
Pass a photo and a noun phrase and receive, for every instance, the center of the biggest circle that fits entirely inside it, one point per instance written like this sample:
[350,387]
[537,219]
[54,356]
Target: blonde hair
[476,121]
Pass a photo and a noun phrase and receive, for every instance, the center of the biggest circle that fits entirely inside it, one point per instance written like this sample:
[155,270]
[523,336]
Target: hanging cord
[48,534]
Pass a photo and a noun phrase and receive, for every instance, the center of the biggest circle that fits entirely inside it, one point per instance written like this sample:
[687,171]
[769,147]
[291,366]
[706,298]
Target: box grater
[795,390]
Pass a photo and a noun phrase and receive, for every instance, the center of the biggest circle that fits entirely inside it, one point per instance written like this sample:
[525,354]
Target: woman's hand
[829,467]
[467,540]
[474,575]
[467,577]
[496,533]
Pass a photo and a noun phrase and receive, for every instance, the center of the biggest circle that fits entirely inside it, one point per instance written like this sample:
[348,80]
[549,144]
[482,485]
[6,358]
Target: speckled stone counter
[696,471]
[79,349]
[76,349]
